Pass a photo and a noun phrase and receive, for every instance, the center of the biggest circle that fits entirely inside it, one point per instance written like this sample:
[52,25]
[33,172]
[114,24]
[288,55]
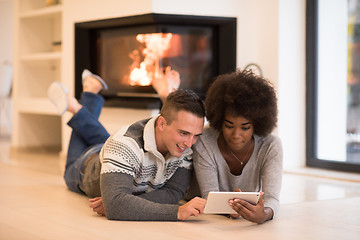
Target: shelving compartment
[39,34]
[32,7]
[38,56]
[39,132]
[36,77]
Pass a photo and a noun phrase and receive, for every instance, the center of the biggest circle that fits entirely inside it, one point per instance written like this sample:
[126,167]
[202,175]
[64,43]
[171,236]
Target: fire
[138,76]
[155,46]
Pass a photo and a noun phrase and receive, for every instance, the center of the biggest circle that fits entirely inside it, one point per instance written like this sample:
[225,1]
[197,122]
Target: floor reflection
[299,188]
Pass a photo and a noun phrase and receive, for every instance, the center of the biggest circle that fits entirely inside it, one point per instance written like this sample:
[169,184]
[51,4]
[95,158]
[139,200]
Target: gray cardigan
[263,172]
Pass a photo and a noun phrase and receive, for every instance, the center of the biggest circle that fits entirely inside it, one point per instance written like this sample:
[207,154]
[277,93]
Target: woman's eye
[246,128]
[227,126]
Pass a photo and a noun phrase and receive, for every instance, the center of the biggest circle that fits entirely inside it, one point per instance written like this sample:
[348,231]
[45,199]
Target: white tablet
[218,202]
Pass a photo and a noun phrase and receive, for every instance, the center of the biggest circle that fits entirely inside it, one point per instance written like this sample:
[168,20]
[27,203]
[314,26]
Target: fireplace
[129,52]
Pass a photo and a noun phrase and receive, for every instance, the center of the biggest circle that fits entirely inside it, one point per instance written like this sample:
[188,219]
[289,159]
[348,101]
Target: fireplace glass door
[131,52]
[130,59]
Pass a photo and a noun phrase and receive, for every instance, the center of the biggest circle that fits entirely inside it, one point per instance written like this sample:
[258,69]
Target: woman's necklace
[243,160]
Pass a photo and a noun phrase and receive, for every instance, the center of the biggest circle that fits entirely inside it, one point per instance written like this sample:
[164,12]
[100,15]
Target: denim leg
[87,137]
[93,102]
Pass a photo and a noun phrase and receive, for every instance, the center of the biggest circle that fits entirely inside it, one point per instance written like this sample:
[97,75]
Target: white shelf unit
[37,64]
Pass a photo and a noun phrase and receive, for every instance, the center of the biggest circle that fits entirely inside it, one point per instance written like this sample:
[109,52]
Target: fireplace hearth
[129,52]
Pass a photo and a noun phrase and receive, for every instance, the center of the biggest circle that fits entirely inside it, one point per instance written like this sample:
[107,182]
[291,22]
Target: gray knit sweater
[263,171]
[137,182]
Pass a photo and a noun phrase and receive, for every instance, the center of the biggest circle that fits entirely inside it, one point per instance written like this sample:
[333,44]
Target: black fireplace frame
[224,50]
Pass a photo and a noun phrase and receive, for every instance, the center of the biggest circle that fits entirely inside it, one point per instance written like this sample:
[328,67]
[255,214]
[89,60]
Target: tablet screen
[218,202]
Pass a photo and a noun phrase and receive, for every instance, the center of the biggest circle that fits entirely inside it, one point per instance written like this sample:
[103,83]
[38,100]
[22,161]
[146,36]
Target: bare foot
[167,83]
[92,85]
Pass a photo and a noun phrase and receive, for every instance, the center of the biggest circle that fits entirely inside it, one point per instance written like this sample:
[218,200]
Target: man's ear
[161,122]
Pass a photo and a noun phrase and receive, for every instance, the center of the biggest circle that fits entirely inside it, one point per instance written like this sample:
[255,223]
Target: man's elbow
[111,212]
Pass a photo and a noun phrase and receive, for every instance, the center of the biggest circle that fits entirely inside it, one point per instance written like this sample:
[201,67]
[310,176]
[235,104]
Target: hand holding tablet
[218,202]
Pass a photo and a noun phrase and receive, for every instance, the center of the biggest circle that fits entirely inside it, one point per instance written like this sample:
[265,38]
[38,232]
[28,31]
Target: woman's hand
[97,205]
[254,213]
[235,215]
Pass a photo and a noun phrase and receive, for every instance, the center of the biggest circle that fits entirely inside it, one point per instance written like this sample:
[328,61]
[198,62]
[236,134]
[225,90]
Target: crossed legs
[88,135]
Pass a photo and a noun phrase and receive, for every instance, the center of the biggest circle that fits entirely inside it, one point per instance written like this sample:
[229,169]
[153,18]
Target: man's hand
[192,208]
[97,205]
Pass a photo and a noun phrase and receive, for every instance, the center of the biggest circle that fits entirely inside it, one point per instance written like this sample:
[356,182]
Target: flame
[138,76]
[156,44]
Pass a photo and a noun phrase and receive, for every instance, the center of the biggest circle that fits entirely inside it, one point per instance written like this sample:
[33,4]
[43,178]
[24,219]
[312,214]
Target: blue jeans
[87,137]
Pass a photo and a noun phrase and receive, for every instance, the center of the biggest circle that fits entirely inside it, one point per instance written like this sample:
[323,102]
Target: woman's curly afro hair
[245,94]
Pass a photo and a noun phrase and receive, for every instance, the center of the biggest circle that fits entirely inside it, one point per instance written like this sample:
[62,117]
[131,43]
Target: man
[145,167]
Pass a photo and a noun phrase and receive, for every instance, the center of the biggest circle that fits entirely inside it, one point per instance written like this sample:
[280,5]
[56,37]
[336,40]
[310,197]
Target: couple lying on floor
[142,171]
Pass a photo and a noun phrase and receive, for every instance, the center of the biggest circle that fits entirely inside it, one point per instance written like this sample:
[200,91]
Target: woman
[237,152]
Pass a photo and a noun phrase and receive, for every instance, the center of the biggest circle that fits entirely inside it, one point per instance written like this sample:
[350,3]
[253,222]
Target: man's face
[181,134]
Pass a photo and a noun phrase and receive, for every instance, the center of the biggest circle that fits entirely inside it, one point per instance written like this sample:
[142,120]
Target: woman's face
[237,132]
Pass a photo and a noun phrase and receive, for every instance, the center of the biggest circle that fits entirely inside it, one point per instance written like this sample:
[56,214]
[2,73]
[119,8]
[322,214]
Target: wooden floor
[35,204]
